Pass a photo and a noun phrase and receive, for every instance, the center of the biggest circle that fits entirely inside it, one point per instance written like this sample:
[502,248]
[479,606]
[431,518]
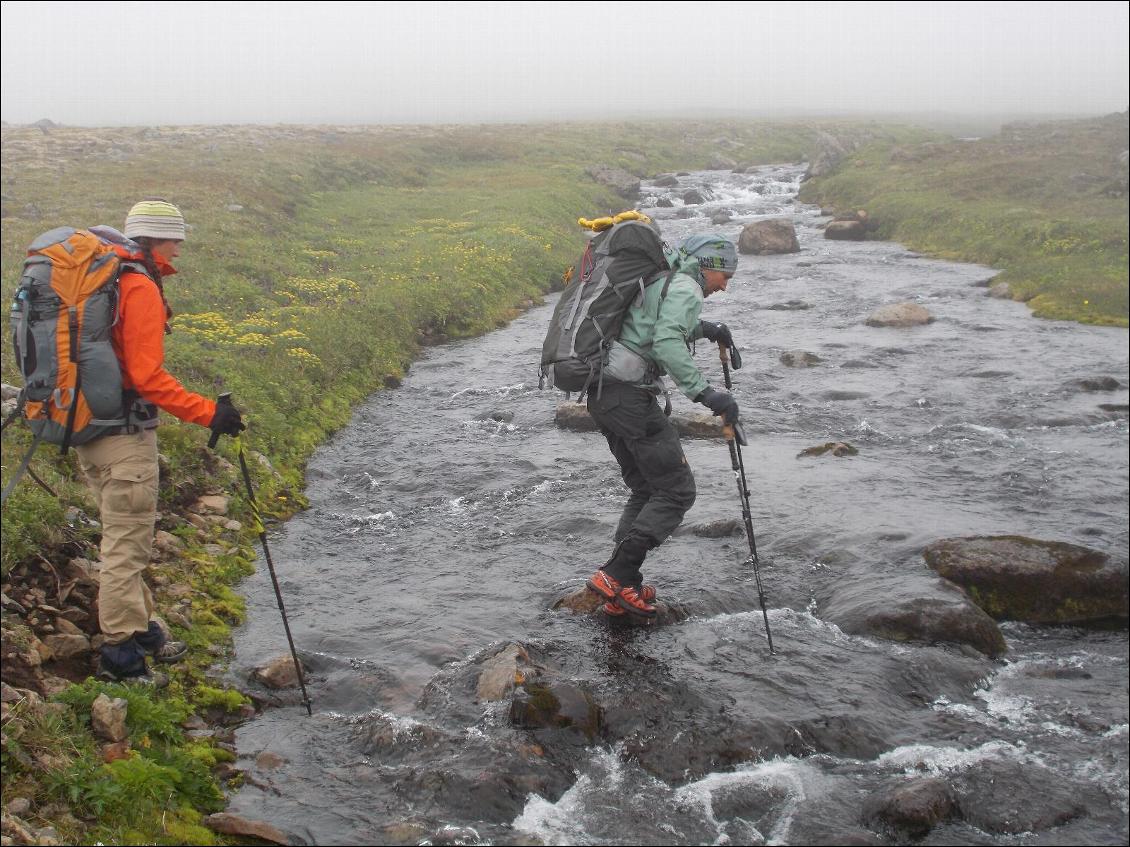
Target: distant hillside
[1044,202]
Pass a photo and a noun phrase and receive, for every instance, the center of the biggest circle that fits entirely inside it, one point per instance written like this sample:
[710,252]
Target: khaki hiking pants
[122,472]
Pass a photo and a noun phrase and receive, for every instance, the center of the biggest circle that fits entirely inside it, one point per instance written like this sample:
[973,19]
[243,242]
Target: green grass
[1046,204]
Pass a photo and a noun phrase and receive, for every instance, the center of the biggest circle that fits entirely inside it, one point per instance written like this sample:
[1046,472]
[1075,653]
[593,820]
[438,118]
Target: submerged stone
[799,359]
[910,607]
[1011,797]
[913,806]
[555,704]
[836,448]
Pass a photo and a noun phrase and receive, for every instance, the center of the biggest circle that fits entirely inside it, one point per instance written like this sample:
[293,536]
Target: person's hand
[720,334]
[721,403]
[226,421]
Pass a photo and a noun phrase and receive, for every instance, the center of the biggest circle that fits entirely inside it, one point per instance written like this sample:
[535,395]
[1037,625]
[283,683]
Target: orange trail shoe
[604,585]
[630,600]
[646,592]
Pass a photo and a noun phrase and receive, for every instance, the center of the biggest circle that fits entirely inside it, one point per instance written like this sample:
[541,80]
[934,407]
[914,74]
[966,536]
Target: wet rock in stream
[1016,578]
[1010,797]
[900,315]
[912,807]
[585,602]
[910,606]
[277,673]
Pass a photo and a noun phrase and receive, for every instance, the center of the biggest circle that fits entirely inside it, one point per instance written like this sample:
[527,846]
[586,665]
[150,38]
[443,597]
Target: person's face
[715,280]
[168,249]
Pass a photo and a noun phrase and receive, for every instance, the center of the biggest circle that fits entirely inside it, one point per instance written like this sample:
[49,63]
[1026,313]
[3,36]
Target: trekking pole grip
[223,399]
[724,355]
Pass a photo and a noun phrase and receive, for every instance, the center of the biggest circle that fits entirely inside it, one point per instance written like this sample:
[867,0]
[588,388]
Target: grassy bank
[319,260]
[1045,203]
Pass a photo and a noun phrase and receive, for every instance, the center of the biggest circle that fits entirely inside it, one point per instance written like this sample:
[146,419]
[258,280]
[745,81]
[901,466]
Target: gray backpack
[616,267]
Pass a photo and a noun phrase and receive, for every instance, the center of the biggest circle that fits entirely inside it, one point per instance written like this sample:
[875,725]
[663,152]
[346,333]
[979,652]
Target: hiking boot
[624,565]
[171,651]
[604,585]
[156,644]
[647,594]
[147,678]
[631,601]
[121,661]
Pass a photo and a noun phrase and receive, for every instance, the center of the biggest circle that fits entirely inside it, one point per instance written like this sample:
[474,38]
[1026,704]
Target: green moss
[542,701]
[230,700]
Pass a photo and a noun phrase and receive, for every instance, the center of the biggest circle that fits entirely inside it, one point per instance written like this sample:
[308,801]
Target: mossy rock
[1044,582]
[555,704]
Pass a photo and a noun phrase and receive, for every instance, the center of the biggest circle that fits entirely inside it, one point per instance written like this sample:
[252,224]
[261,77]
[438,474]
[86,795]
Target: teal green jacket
[657,333]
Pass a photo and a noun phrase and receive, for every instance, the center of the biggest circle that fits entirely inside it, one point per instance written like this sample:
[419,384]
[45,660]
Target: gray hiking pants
[651,459]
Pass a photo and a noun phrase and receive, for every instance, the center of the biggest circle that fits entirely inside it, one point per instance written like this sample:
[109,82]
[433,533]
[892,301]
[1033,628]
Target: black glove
[720,403]
[226,421]
[720,334]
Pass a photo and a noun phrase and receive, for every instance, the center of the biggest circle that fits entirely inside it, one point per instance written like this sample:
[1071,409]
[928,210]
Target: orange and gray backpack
[62,317]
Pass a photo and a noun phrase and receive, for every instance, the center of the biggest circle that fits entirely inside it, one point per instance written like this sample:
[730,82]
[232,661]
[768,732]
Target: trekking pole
[735,439]
[226,399]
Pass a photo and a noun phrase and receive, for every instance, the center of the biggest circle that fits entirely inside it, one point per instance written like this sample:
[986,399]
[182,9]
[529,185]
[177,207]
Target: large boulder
[770,237]
[619,180]
[910,606]
[575,416]
[1016,578]
[845,231]
[900,315]
[693,197]
[667,181]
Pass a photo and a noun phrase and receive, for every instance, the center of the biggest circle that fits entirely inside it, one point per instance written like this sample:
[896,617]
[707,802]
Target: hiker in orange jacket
[121,467]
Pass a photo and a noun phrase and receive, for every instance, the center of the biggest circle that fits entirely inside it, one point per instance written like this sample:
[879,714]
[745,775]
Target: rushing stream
[451,512]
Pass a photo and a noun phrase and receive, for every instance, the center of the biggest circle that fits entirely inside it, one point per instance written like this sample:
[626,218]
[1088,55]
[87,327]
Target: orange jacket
[139,342]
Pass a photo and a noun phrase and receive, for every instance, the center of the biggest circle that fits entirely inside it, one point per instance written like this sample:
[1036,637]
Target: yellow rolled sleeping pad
[601,224]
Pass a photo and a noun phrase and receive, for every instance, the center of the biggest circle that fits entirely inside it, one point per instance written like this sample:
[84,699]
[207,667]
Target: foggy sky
[113,64]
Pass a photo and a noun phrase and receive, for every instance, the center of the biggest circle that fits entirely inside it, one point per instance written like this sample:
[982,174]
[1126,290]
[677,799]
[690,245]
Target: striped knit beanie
[713,252]
[155,218]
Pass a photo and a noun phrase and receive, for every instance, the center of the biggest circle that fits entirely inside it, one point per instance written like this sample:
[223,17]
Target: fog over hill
[342,63]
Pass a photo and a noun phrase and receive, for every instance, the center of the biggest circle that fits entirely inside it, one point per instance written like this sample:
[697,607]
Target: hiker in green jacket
[656,340]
